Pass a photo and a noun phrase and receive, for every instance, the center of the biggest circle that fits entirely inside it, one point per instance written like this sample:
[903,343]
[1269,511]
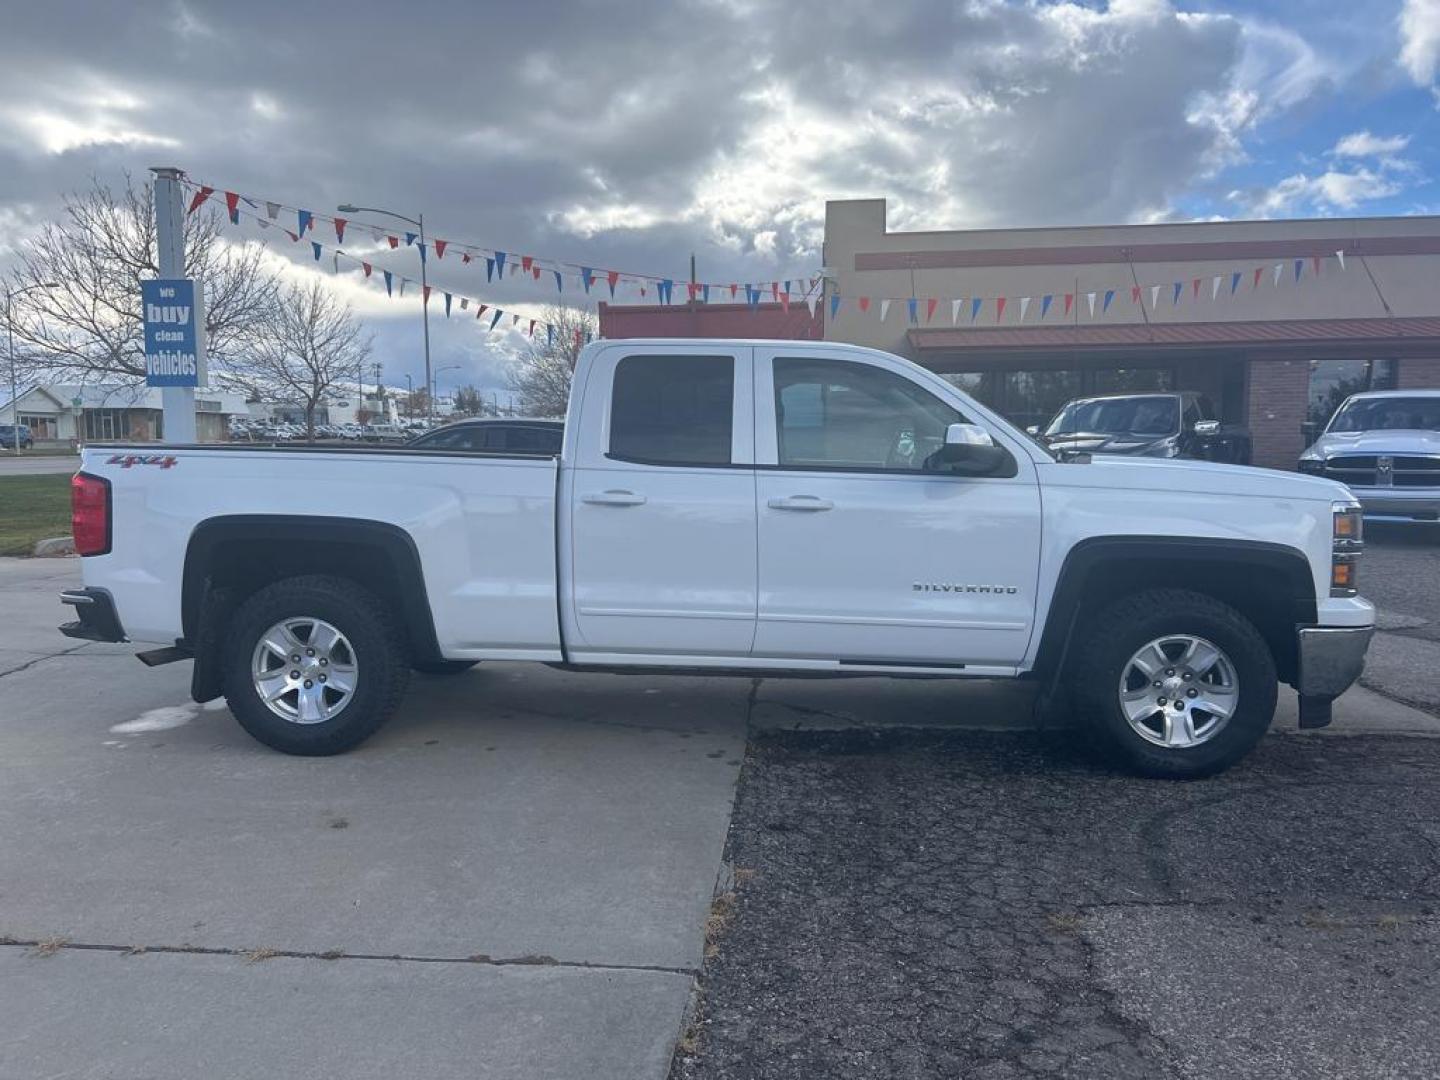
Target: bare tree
[469,401]
[90,328]
[543,370]
[310,345]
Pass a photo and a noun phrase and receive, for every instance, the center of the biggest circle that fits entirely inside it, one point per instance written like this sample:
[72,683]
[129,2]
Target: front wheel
[1176,684]
[313,665]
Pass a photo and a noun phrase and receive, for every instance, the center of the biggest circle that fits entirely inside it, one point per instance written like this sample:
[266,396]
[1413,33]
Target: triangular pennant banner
[834,306]
[1090,299]
[389,282]
[1195,289]
[884,309]
[410,238]
[1024,307]
[1179,285]
[1299,266]
[232,207]
[1154,297]
[447,305]
[1045,302]
[304,217]
[1234,282]
[1109,297]
[500,263]
[272,210]
[1134,294]
[394,242]
[612,276]
[955,310]
[339,230]
[367,268]
[199,199]
[440,248]
[930,306]
[1258,271]
[999,308]
[1340,258]
[1069,300]
[913,310]
[975,305]
[315,248]
[1214,286]
[559,281]
[1279,269]
[496,319]
[864,302]
[425,294]
[587,277]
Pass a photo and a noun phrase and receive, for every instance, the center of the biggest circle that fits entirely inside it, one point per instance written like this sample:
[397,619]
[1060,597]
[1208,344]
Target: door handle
[613,497]
[810,503]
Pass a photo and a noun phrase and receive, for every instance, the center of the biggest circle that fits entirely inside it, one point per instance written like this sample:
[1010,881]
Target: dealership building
[1275,321]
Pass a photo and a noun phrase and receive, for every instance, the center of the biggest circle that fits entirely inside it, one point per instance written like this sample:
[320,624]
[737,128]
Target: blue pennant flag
[389,283]
[1109,296]
[705,293]
[752,297]
[559,282]
[1045,302]
[665,289]
[587,278]
[549,334]
[1179,285]
[1234,282]
[1299,265]
[500,264]
[912,304]
[834,305]
[304,217]
[496,319]
[447,305]
[489,269]
[410,237]
[975,306]
[315,248]
[422,252]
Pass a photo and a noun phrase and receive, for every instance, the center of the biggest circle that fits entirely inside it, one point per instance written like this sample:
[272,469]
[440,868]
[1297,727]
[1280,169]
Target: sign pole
[178,401]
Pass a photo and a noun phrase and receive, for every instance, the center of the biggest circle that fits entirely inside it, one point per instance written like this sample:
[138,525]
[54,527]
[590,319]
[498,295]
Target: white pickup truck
[755,507]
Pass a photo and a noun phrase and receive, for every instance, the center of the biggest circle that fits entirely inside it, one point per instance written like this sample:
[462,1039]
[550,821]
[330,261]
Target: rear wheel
[313,665]
[1176,684]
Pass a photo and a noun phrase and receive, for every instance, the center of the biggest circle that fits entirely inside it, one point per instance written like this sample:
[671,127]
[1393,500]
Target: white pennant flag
[1214,286]
[1340,255]
[955,310]
[402,286]
[378,235]
[1154,297]
[810,302]
[272,210]
[262,223]
[1024,307]
[884,309]
[1279,269]
[1090,299]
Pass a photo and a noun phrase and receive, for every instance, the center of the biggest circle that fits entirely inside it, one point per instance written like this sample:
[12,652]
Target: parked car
[1182,424]
[1384,445]
[745,507]
[11,433]
[508,435]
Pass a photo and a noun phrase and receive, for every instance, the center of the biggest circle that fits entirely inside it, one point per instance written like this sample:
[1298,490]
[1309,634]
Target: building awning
[1339,335]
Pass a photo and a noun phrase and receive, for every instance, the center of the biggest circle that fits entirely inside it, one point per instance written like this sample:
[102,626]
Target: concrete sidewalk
[514,876]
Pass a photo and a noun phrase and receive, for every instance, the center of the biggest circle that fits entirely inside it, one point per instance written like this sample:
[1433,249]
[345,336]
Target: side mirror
[968,450]
[1207,427]
[1033,429]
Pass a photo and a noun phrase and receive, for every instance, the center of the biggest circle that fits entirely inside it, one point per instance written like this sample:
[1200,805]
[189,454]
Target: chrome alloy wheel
[304,670]
[1179,691]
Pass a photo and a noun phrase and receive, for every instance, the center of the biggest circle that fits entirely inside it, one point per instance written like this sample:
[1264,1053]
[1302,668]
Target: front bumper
[1331,659]
[1412,504]
[98,619]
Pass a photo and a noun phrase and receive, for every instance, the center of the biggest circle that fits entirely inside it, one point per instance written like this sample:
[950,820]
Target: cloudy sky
[632,134]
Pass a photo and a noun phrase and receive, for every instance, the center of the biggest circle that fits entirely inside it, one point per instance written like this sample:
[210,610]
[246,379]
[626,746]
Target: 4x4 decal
[165,461]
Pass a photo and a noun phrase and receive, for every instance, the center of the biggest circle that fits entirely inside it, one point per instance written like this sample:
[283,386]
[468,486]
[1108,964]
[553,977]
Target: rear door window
[673,410]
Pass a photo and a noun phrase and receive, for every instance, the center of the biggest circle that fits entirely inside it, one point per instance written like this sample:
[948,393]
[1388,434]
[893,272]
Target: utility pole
[177,401]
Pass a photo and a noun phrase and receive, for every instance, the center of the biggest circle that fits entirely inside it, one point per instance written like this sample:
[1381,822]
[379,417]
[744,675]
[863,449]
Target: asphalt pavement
[1400,574]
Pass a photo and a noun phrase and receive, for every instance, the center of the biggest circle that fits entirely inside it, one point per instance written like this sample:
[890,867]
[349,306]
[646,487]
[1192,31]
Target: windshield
[1118,416]
[1388,414]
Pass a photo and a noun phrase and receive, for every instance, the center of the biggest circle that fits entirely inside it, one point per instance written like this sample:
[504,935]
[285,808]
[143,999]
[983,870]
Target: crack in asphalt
[39,659]
[258,955]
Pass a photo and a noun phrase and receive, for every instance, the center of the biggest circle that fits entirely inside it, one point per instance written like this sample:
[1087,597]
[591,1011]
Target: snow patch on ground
[161,719]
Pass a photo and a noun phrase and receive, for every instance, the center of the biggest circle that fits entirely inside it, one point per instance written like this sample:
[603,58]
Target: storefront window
[1033,397]
[1332,381]
[41,427]
[1132,380]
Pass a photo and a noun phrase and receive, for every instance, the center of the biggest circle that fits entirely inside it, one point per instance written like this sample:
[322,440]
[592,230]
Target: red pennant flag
[1195,288]
[864,303]
[1069,301]
[232,205]
[930,308]
[426,291]
[440,248]
[535,272]
[532,327]
[394,241]
[611,277]
[465,256]
[785,301]
[642,290]
[525,262]
[692,288]
[1258,271]
[480,309]
[367,268]
[733,289]
[294,236]
[1315,262]
[199,199]
[1134,294]
[775,290]
[339,230]
[999,308]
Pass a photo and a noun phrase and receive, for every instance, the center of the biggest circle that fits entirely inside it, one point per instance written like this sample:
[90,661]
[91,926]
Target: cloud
[1334,189]
[1362,144]
[1420,39]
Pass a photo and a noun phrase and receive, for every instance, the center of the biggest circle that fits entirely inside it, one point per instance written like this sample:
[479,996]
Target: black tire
[1118,632]
[380,659]
[444,667]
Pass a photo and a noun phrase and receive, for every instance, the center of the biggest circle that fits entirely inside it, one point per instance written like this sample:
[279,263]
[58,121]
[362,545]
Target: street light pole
[10,328]
[419,223]
[409,397]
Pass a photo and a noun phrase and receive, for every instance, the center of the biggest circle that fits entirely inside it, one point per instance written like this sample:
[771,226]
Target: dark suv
[512,436]
[1184,424]
[8,436]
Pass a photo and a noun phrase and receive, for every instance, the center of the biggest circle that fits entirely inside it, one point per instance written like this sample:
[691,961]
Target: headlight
[1347,542]
[1164,447]
[1315,466]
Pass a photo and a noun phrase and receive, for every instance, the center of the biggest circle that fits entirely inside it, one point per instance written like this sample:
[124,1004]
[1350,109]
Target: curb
[55,546]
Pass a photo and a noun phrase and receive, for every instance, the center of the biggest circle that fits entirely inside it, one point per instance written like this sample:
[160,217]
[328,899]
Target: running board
[168,655]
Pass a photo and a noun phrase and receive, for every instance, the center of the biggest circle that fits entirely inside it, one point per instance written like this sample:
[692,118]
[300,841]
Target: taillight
[90,514]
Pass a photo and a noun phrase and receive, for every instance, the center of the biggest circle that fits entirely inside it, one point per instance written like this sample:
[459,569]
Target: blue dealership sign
[174,345]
